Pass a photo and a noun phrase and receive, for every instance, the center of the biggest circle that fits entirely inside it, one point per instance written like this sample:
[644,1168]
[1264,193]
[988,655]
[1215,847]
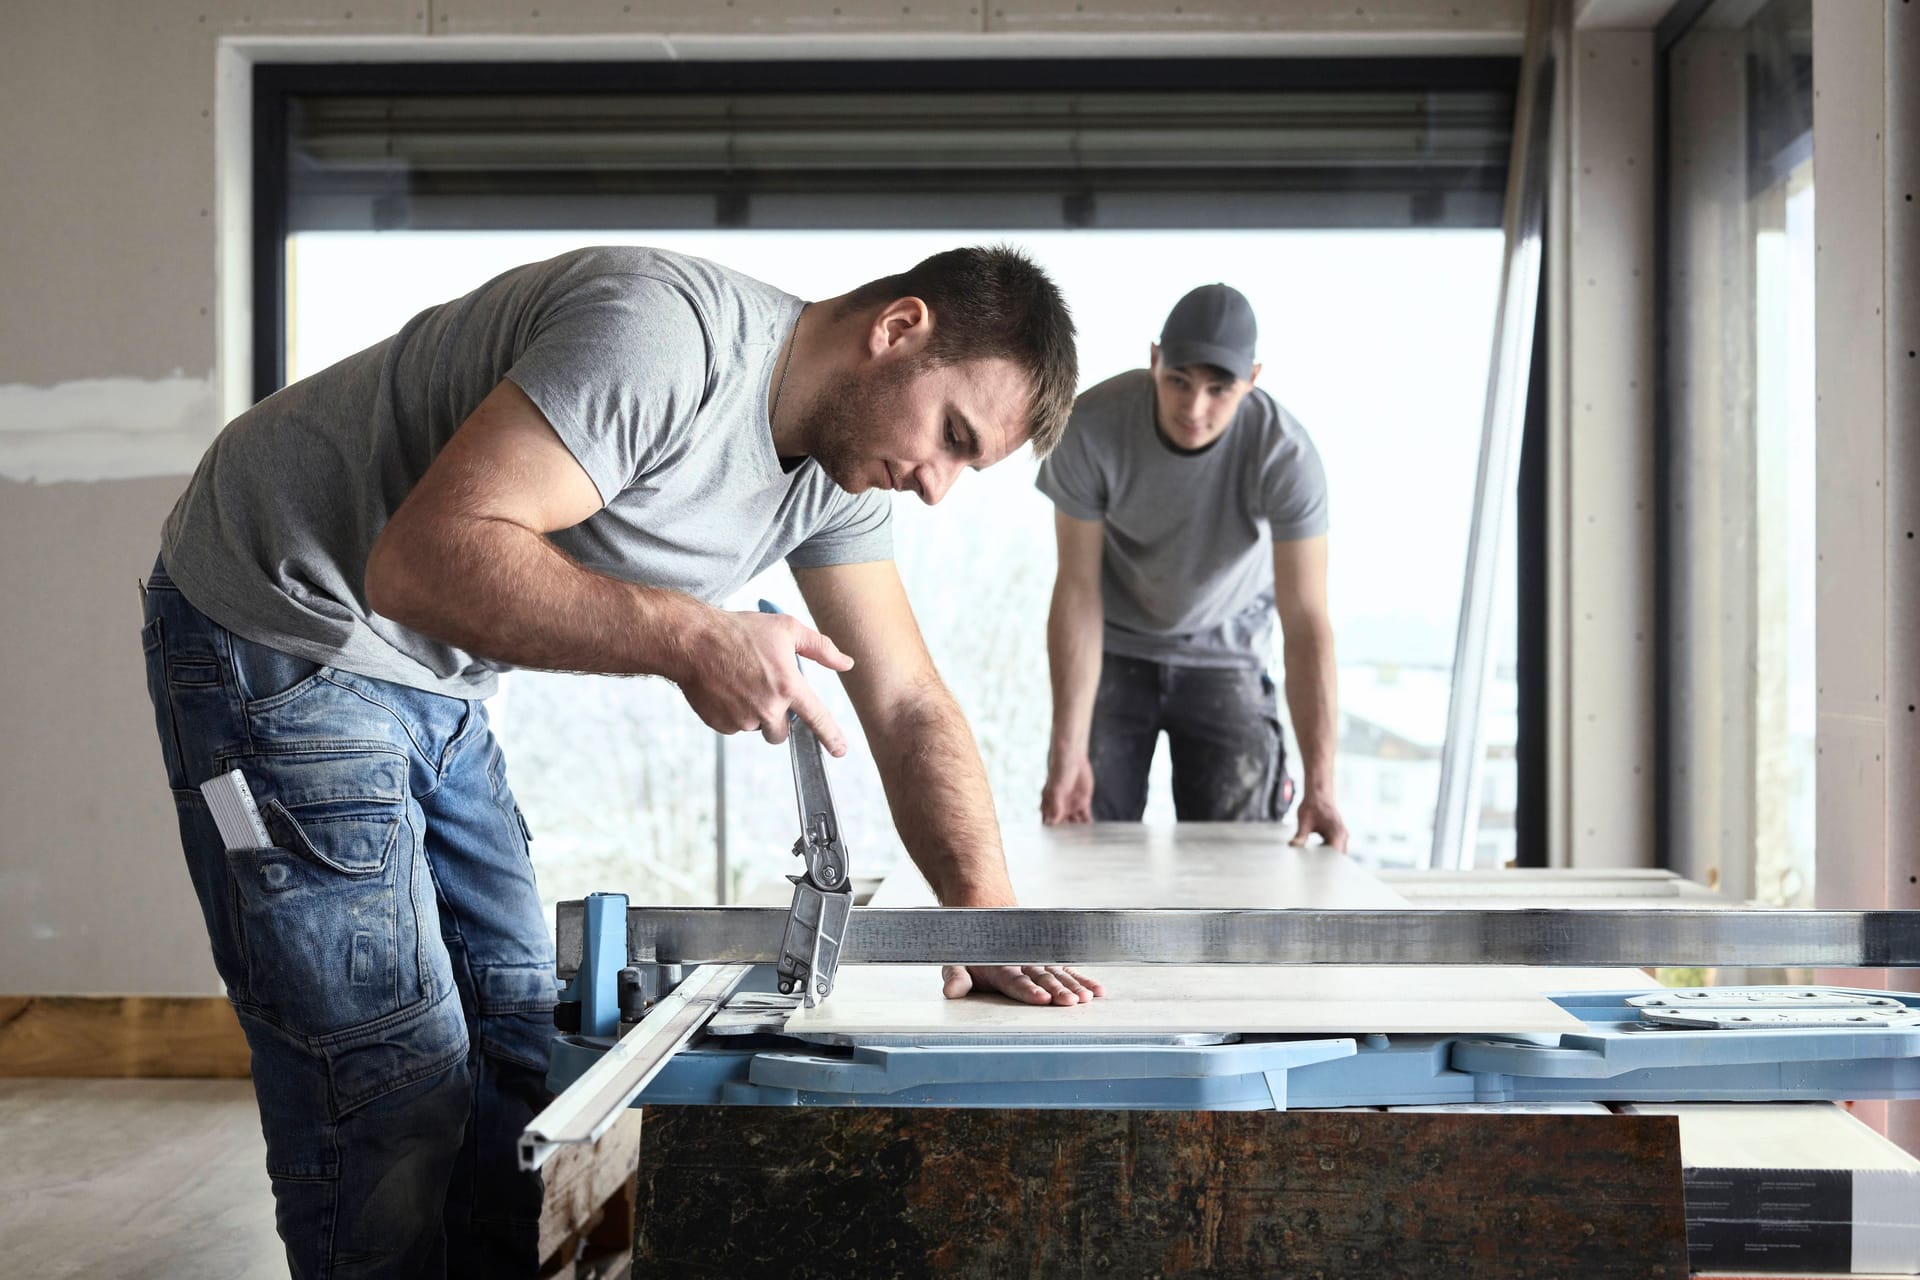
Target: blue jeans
[386,954]
[1223,734]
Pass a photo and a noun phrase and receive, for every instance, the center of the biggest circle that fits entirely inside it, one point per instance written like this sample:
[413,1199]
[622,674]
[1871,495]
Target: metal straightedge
[1019,935]
[589,1105]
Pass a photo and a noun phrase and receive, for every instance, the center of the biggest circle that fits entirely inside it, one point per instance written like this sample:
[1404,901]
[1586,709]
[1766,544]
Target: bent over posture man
[562,469]
[1189,507]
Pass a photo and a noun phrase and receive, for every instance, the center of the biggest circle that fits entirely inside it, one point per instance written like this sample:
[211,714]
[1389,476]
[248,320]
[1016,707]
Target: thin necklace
[793,341]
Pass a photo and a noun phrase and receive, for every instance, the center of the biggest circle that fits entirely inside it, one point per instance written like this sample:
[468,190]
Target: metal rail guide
[587,1108]
[1633,937]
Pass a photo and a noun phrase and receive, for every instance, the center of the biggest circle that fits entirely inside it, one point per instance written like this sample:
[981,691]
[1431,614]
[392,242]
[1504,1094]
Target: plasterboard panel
[1850,582]
[1619,15]
[1611,649]
[1850,799]
[94,893]
[108,205]
[1711,623]
[1903,451]
[532,18]
[1463,17]
[1850,360]
[1902,300]
[1107,40]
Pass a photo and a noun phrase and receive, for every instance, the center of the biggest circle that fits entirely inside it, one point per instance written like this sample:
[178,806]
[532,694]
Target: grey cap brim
[1178,355]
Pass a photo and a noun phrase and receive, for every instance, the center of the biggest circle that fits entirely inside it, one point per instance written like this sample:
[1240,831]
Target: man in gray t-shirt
[568,468]
[1189,509]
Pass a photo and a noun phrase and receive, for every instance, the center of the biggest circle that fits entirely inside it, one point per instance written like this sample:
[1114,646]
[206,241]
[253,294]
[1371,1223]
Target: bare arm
[1300,592]
[1074,623]
[465,560]
[936,785]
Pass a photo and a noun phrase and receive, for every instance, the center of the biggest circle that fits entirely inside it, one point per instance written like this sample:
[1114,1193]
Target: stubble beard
[850,421]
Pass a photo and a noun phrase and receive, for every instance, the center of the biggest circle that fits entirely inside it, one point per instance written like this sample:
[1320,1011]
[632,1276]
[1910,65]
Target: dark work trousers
[1222,727]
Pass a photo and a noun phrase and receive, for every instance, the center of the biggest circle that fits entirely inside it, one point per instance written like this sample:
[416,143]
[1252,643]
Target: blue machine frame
[1616,1058]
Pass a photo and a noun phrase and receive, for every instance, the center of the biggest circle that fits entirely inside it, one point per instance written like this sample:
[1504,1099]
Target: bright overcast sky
[1376,340]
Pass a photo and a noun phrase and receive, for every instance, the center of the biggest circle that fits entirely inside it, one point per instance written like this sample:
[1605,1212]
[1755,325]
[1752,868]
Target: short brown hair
[994,303]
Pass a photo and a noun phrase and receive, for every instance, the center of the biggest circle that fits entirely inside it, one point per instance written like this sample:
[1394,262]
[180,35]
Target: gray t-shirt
[653,368]
[1186,576]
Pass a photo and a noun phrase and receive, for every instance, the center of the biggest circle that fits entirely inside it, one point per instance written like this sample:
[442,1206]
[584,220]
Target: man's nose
[935,481]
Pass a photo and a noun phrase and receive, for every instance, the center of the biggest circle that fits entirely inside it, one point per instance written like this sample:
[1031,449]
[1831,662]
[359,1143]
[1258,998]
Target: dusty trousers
[1223,734]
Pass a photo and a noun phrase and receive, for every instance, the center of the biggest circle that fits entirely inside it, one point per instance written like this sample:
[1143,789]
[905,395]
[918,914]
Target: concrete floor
[141,1179]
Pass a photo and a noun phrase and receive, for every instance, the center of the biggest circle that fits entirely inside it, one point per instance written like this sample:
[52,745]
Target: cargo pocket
[1280,791]
[1280,794]
[516,1012]
[326,912]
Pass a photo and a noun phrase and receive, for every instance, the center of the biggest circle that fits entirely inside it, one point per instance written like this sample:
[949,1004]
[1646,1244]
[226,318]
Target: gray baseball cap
[1211,325]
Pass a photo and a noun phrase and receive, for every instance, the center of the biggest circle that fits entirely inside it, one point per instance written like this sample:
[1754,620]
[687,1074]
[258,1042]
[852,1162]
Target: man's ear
[1253,375]
[903,324]
[1153,356]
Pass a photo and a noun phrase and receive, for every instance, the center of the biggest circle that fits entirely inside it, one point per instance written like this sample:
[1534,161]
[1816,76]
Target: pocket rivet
[276,875]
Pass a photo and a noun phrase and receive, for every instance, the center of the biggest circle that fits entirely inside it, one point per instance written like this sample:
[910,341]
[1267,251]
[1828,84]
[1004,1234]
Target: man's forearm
[1313,703]
[1073,658]
[499,590]
[937,789]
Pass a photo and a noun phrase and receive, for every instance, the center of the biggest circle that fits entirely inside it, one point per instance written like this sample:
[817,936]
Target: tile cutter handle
[823,895]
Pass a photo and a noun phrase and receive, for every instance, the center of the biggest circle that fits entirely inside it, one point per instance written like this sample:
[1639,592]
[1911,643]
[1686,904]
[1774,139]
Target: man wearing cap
[1189,508]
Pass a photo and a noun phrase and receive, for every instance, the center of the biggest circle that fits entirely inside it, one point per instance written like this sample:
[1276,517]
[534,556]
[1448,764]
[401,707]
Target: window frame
[276,84]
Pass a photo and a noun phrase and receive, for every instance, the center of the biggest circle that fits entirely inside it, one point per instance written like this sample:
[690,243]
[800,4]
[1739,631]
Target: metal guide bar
[590,1104]
[1023,935]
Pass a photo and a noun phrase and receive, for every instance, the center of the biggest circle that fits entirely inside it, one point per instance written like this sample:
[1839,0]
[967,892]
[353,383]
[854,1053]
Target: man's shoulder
[1270,424]
[705,285]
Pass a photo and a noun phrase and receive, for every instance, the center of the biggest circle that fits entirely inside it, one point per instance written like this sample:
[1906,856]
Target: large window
[1372,264]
